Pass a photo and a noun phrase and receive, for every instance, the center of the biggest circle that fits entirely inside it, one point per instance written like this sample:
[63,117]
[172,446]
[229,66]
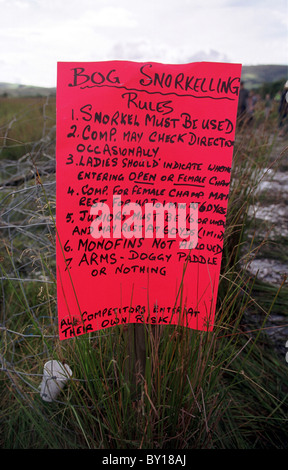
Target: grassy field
[225,389]
[23,123]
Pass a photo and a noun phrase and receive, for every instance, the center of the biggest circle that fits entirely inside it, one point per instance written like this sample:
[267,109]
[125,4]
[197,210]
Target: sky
[36,34]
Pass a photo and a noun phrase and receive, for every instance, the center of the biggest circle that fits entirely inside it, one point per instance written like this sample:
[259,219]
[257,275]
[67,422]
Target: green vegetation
[23,123]
[225,389]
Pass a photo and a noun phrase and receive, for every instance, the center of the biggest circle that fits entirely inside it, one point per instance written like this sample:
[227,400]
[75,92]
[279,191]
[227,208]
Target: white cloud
[110,17]
[144,50]
[35,34]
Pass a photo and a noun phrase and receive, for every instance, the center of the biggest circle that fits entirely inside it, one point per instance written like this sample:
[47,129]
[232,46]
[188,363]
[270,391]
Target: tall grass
[186,389]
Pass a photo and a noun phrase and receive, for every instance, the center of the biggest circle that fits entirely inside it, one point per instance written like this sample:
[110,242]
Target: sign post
[144,155]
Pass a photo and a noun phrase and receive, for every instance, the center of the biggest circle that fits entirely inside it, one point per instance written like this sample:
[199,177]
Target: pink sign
[144,153]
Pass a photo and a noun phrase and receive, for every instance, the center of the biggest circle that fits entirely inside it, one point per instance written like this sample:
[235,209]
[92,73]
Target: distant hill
[253,75]
[15,90]
[256,75]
